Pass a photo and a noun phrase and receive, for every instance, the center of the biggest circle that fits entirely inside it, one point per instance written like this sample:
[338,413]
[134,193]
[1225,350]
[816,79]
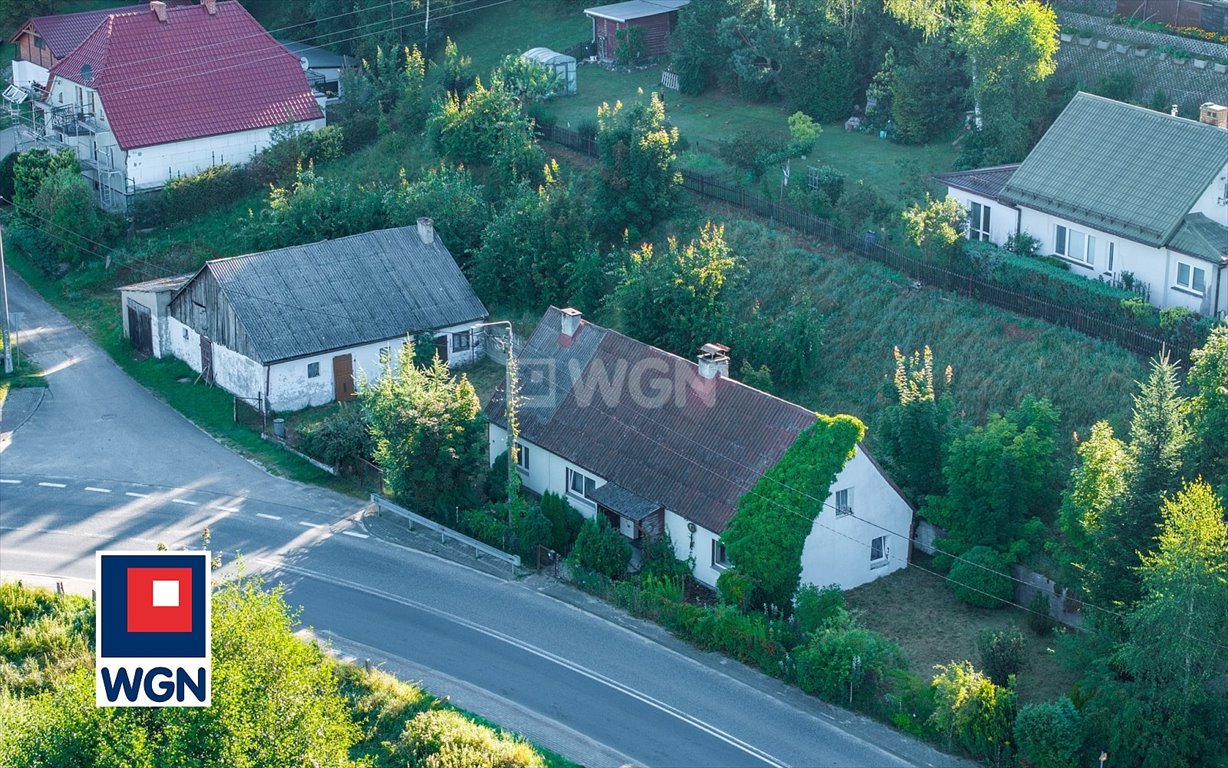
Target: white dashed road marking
[309,525]
[53,485]
[267,517]
[185,501]
[227,509]
[355,534]
[97,490]
[11,482]
[136,495]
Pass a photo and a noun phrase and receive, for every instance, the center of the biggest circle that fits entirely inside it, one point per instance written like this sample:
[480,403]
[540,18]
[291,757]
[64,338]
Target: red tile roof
[63,33]
[195,75]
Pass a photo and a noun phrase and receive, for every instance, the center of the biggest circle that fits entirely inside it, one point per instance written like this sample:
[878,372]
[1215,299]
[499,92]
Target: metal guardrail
[444,532]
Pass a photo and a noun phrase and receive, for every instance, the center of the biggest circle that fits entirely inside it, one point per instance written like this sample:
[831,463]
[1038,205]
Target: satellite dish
[87,72]
[302,60]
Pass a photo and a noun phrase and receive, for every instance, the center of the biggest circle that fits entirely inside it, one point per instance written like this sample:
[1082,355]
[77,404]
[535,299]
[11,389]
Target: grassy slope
[919,611]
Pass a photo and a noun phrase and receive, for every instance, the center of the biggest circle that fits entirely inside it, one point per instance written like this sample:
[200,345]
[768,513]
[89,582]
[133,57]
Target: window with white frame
[1110,250]
[878,551]
[1191,278]
[522,456]
[720,558]
[844,501]
[579,484]
[1075,245]
[460,341]
[978,222]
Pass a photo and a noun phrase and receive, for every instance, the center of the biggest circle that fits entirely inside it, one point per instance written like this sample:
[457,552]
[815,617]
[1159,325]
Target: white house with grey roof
[299,326]
[1114,188]
[657,443]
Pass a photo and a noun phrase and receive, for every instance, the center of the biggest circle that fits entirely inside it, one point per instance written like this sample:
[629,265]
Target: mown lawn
[920,612]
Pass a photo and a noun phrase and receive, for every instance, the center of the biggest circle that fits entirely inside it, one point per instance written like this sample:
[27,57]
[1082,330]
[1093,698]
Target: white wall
[150,167]
[232,372]
[546,472]
[1003,219]
[837,551]
[1214,201]
[697,545]
[27,72]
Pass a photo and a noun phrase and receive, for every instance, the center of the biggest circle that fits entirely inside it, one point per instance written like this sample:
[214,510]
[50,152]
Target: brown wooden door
[441,347]
[206,360]
[343,376]
[140,329]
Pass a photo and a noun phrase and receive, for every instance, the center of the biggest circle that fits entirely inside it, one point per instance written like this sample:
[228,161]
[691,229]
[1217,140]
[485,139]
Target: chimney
[714,361]
[571,321]
[1174,110]
[1213,114]
[159,9]
[426,230]
[210,6]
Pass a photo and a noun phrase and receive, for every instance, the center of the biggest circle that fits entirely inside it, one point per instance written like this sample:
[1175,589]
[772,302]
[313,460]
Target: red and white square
[159,599]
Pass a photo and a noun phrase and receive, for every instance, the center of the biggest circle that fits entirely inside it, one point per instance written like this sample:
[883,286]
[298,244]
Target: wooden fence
[1139,339]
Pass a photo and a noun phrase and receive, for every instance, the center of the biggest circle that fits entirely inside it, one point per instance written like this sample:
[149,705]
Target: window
[978,222]
[1191,278]
[579,484]
[844,501]
[460,341]
[1075,245]
[878,551]
[1111,250]
[38,43]
[522,456]
[720,560]
[313,370]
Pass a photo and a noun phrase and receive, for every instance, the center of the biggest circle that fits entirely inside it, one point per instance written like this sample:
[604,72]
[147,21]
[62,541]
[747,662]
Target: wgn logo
[153,630]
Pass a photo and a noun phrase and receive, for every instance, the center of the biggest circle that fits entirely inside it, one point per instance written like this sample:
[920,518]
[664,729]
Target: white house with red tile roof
[157,92]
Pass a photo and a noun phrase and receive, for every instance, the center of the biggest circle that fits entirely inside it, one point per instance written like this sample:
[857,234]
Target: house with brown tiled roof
[655,443]
[154,92]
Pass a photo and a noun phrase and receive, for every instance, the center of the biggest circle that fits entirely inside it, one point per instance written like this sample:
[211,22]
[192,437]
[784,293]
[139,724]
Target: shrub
[601,549]
[749,638]
[632,45]
[827,665]
[487,525]
[828,181]
[1049,735]
[660,560]
[980,578]
[1039,618]
[735,588]
[340,438]
[530,528]
[446,739]
[565,521]
[971,711]
[1002,654]
[496,479]
[814,607]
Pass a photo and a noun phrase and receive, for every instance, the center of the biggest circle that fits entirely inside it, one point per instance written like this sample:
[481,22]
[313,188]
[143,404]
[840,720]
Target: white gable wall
[838,549]
[1214,201]
[232,372]
[1003,219]
[26,73]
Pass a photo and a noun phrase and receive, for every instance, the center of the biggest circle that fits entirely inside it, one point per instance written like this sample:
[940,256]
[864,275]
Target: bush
[1049,735]
[826,666]
[601,549]
[1002,654]
[749,638]
[971,711]
[660,561]
[488,525]
[530,528]
[496,479]
[830,182]
[632,45]
[341,438]
[814,607]
[980,577]
[565,521]
[445,739]
[1039,618]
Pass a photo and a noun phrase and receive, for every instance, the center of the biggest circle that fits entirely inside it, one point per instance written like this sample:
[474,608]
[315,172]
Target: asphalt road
[103,465]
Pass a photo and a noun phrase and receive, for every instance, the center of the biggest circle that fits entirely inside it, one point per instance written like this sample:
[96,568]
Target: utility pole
[510,385]
[426,36]
[4,299]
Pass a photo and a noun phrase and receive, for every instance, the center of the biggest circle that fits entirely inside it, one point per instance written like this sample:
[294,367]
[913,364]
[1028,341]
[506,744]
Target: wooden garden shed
[658,19]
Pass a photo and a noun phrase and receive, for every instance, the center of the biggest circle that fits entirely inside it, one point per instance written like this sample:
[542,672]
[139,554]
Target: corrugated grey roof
[696,453]
[159,284]
[987,182]
[1203,238]
[1119,168]
[624,502]
[334,294]
[635,9]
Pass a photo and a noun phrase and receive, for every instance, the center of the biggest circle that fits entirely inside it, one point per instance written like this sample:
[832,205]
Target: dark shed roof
[696,449]
[987,182]
[341,293]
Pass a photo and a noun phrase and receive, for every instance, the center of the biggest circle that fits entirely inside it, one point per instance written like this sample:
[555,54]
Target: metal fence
[251,413]
[415,520]
[1140,339]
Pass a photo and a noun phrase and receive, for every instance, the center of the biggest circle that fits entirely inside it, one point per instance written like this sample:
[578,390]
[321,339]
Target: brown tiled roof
[696,449]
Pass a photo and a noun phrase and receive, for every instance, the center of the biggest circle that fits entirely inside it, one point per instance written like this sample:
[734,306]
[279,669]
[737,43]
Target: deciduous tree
[639,183]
